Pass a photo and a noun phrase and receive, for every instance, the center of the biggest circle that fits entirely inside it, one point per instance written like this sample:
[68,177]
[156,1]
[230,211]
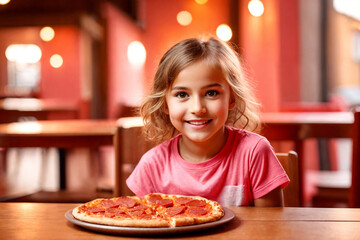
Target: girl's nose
[197,107]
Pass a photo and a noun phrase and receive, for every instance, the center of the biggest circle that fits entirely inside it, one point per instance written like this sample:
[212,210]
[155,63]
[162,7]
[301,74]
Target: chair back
[355,174]
[130,145]
[290,163]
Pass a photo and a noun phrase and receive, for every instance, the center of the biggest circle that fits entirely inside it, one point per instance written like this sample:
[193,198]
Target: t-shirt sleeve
[266,172]
[140,180]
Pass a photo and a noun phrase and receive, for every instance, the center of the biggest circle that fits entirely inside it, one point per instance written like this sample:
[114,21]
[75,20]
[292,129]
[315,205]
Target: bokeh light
[136,54]
[4,2]
[201,2]
[256,8]
[224,32]
[47,34]
[23,53]
[56,61]
[184,18]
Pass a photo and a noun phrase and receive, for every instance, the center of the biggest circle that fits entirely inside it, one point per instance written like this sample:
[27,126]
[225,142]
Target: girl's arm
[272,199]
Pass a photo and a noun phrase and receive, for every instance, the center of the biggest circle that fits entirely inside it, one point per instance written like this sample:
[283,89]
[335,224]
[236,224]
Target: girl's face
[198,102]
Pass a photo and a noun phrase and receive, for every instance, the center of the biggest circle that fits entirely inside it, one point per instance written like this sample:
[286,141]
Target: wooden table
[47,221]
[58,133]
[303,125]
[11,109]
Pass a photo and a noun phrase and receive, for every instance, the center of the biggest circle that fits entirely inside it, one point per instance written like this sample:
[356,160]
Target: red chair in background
[355,177]
[326,186]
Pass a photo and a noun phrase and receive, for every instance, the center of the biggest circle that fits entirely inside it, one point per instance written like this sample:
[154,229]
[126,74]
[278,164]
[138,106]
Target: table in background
[58,133]
[47,221]
[11,109]
[302,125]
[299,126]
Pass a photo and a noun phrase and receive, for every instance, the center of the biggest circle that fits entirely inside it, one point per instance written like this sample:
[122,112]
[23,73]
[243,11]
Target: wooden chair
[336,188]
[129,146]
[290,163]
[355,173]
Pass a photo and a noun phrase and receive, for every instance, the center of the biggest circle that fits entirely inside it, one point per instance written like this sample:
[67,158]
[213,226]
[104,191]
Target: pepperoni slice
[165,203]
[94,209]
[112,212]
[183,200]
[139,207]
[115,210]
[196,211]
[196,203]
[109,203]
[173,211]
[141,214]
[126,202]
[137,213]
[154,198]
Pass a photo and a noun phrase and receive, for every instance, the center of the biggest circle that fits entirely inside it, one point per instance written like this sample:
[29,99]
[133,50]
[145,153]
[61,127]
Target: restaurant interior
[94,60]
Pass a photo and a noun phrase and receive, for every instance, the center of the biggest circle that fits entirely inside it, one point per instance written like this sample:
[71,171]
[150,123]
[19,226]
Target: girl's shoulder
[244,134]
[247,139]
[163,149]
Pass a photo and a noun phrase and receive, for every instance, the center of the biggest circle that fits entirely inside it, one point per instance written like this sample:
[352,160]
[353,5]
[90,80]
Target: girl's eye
[212,93]
[181,95]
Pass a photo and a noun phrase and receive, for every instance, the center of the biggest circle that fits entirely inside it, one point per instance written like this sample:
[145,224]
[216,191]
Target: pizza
[154,210]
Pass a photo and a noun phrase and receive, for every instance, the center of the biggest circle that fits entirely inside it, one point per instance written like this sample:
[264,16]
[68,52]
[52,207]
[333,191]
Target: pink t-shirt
[245,169]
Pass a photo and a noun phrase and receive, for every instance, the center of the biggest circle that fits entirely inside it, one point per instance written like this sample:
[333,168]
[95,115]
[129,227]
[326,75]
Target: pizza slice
[181,210]
[128,211]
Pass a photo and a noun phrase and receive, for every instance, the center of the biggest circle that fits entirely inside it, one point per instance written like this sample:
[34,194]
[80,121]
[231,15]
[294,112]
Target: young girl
[201,105]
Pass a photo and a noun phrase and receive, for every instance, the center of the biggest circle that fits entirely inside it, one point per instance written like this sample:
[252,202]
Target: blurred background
[102,56]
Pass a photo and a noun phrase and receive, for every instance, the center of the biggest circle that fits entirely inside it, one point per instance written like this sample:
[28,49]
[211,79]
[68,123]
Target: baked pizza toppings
[155,210]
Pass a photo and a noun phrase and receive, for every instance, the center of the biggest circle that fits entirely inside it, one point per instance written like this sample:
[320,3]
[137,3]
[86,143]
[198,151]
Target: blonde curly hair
[157,125]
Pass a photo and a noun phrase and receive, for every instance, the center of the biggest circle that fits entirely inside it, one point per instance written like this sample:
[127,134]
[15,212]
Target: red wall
[63,82]
[162,29]
[260,42]
[124,81]
[290,51]
[270,45]
[161,32]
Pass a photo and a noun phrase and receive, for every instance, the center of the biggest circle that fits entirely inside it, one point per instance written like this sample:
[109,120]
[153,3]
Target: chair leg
[3,161]
[44,167]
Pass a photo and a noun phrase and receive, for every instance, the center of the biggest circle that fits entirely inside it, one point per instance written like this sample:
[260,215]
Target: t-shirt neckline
[207,163]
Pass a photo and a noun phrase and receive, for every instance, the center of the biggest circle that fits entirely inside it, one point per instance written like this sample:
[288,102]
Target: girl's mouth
[199,122]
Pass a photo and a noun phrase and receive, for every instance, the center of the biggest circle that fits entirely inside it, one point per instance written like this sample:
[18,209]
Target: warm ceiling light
[4,2]
[224,32]
[56,61]
[23,53]
[201,2]
[184,18]
[136,54]
[47,33]
[256,8]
